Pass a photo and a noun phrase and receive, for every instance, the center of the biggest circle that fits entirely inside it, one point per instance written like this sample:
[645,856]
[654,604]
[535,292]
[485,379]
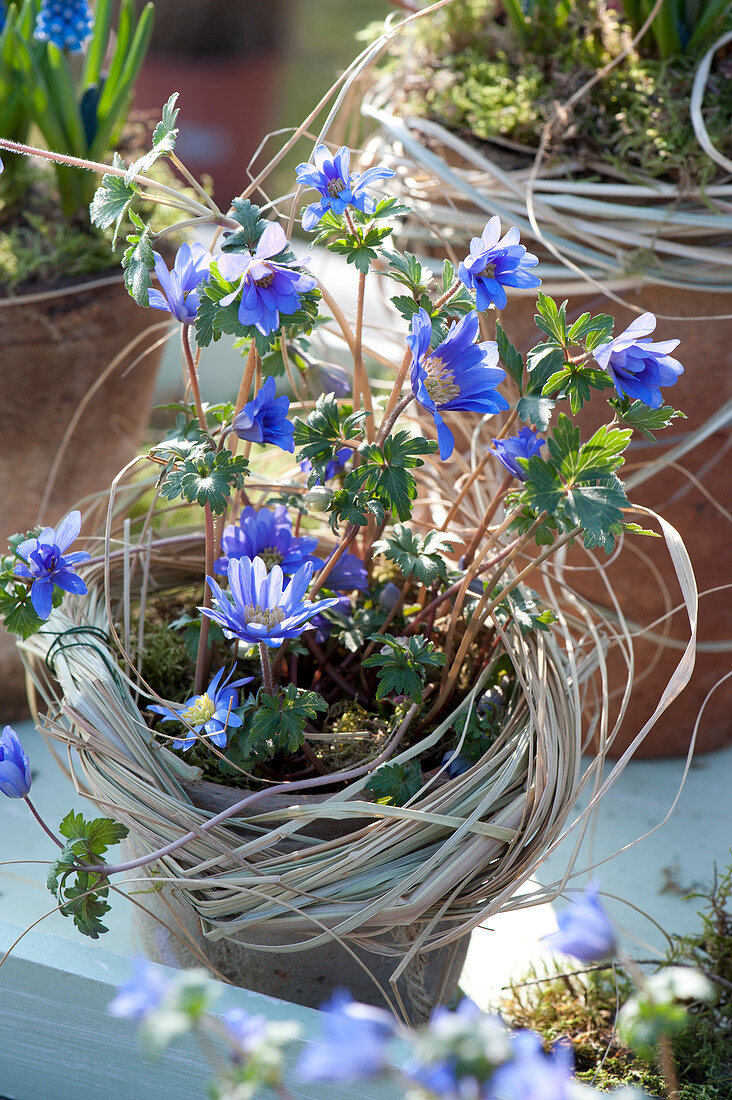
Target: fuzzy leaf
[422,558]
[163,140]
[111,201]
[534,409]
[138,262]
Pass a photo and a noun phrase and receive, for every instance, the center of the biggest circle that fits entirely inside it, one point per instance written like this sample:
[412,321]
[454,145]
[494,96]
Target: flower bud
[318,498]
[15,773]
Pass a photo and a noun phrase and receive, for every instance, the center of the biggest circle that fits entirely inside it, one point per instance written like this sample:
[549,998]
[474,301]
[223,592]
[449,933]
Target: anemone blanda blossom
[67,23]
[349,572]
[637,366]
[459,1050]
[3,16]
[259,608]
[353,1045]
[267,288]
[264,419]
[178,292]
[46,562]
[459,375]
[585,930]
[332,468]
[141,994]
[524,445]
[531,1074]
[494,264]
[209,715]
[338,187]
[265,534]
[15,773]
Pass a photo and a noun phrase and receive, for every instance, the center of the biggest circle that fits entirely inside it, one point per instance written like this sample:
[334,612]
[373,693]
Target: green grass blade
[97,50]
[63,100]
[712,22]
[125,27]
[112,115]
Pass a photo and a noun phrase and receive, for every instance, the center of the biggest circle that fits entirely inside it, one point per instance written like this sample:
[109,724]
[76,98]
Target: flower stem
[451,290]
[202,653]
[668,1067]
[193,376]
[389,421]
[396,390]
[351,532]
[361,383]
[267,679]
[42,823]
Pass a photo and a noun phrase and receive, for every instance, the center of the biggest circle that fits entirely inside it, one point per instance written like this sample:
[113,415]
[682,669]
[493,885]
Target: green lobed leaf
[384,471]
[163,140]
[510,358]
[422,558]
[16,611]
[402,664]
[642,419]
[395,784]
[406,269]
[138,262]
[550,318]
[279,720]
[206,478]
[112,201]
[534,409]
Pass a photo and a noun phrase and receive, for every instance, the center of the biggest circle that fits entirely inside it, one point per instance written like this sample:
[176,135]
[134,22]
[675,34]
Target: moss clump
[584,1009]
[467,71]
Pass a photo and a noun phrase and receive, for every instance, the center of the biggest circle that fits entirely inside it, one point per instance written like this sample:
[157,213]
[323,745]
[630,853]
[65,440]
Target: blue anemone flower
[532,1073]
[332,468]
[637,366]
[3,17]
[69,24]
[585,930]
[267,288]
[45,561]
[354,1043]
[210,714]
[513,447]
[259,608]
[338,187]
[141,994]
[15,773]
[349,572]
[264,419]
[261,533]
[459,375]
[494,264]
[179,293]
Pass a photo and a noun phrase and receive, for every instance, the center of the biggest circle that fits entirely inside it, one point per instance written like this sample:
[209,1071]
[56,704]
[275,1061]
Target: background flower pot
[225,61]
[57,347]
[693,494]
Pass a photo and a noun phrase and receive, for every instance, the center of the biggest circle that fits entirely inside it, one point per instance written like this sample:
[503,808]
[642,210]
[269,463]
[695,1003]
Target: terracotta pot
[55,348]
[228,104]
[706,352]
[305,977]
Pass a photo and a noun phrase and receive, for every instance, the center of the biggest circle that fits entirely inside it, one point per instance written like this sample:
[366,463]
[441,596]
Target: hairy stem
[202,652]
[267,679]
[351,532]
[193,376]
[42,823]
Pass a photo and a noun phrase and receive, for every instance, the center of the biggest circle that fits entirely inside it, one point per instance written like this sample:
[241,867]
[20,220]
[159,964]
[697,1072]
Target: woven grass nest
[311,870]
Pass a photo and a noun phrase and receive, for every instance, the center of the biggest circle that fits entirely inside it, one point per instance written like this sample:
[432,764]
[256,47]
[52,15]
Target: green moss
[584,1009]
[466,70]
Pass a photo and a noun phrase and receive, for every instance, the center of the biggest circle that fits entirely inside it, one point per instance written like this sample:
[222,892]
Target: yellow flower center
[269,617]
[335,187]
[199,712]
[266,280]
[270,556]
[440,381]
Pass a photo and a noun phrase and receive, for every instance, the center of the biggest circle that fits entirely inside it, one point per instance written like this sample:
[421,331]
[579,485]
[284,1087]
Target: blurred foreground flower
[585,930]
